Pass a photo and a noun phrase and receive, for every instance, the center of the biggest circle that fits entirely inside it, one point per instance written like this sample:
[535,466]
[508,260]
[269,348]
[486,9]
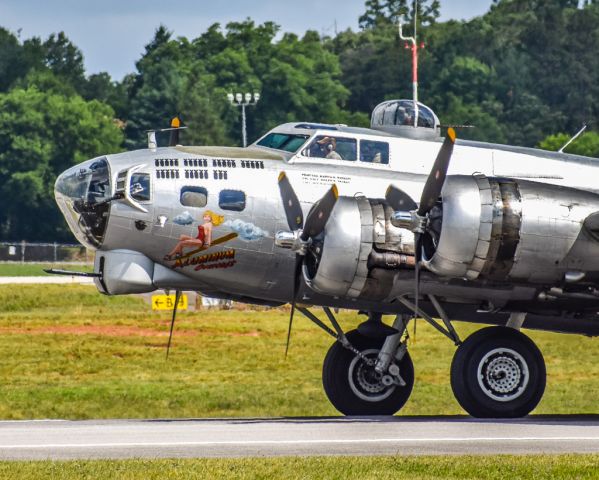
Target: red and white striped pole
[414,47]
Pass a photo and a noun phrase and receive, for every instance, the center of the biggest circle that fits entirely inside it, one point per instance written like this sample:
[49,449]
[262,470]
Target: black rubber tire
[470,355]
[336,382]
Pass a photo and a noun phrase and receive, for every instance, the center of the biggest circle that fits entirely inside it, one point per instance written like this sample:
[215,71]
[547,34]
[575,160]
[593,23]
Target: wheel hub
[365,381]
[503,374]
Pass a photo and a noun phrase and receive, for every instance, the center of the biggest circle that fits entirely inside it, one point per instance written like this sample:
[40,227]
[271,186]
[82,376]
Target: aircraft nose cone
[82,193]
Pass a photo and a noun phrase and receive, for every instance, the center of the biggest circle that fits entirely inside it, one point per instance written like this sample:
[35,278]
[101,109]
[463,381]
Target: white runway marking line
[301,442]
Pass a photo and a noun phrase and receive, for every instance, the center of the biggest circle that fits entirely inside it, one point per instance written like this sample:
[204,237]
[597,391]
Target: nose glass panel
[83,194]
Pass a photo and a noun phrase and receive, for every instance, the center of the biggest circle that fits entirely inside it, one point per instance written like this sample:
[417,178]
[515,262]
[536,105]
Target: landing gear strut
[355,387]
[497,372]
[367,371]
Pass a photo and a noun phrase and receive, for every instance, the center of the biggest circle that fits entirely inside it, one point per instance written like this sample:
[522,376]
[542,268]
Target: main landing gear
[497,372]
[375,380]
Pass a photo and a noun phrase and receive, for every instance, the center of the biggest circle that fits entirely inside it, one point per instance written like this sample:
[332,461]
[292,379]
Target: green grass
[500,467]
[69,352]
[37,269]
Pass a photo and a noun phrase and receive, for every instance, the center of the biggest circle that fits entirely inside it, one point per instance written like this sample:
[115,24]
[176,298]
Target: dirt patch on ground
[116,331]
[108,330]
[246,334]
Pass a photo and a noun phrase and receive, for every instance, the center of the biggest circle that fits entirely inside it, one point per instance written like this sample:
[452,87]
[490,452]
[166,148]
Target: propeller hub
[292,241]
[409,220]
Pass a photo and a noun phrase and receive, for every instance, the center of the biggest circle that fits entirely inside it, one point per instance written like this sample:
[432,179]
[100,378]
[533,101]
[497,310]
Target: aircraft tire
[354,388]
[498,372]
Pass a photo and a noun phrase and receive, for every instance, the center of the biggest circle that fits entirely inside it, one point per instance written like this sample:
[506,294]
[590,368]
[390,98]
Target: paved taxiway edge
[32,440]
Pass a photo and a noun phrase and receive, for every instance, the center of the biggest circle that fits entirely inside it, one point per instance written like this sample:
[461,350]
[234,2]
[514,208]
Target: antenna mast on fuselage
[414,47]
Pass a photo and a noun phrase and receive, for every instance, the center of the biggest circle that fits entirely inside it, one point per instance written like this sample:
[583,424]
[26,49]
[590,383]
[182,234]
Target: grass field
[69,352]
[558,467]
[37,269]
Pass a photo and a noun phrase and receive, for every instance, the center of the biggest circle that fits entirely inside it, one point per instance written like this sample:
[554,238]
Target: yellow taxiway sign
[167,302]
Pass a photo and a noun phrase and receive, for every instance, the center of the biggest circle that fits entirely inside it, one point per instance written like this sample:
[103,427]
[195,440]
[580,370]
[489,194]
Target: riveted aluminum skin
[460,235]
[347,243]
[552,220]
[507,230]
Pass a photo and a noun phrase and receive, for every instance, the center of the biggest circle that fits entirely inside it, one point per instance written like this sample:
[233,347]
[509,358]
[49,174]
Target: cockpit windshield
[283,141]
[83,194]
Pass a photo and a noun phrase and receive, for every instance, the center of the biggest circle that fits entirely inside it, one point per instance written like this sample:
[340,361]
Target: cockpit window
[283,141]
[140,187]
[333,148]
[374,152]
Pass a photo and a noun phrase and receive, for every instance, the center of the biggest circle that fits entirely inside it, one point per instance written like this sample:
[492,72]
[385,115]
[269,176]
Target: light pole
[243,100]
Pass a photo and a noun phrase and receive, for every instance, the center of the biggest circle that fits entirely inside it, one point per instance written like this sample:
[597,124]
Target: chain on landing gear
[366,374]
[337,334]
[393,348]
[355,387]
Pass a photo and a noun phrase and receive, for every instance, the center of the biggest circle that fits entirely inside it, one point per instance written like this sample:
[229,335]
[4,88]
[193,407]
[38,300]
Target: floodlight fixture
[243,100]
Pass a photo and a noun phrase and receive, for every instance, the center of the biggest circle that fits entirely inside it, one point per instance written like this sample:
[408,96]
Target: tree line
[525,73]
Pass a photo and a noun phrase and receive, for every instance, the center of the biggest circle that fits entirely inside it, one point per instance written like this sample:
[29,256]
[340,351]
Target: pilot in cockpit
[328,147]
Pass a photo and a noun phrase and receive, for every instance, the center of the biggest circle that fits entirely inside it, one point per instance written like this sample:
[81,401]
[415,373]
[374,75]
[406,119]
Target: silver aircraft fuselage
[134,234]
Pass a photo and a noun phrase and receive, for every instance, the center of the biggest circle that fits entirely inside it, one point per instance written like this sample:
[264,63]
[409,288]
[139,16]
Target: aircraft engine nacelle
[357,234]
[495,229]
[505,229]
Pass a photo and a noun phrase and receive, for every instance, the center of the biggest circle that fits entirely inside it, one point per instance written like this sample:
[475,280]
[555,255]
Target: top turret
[397,117]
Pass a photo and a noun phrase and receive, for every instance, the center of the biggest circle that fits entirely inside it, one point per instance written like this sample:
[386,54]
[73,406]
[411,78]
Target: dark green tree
[298,79]
[13,65]
[587,144]
[41,135]
[64,59]
[380,12]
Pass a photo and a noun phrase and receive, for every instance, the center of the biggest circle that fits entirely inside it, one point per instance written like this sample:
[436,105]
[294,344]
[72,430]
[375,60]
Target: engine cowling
[482,229]
[504,229]
[358,232]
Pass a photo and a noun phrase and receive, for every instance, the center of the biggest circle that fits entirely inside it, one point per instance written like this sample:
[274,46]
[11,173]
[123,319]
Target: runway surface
[58,439]
[45,279]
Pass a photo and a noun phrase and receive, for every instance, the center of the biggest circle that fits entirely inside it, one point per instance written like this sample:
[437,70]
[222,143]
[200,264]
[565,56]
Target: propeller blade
[591,223]
[289,328]
[170,336]
[418,247]
[320,213]
[399,200]
[293,210]
[296,281]
[418,257]
[436,179]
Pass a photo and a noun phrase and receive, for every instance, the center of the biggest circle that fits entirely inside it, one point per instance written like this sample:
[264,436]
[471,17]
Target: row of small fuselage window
[190,196]
[197,197]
